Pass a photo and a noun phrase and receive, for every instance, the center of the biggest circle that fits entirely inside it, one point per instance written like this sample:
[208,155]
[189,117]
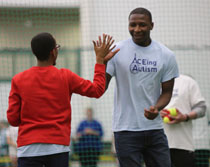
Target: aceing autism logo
[142,65]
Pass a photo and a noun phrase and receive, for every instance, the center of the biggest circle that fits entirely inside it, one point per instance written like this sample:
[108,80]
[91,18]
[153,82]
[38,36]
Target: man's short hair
[42,44]
[141,10]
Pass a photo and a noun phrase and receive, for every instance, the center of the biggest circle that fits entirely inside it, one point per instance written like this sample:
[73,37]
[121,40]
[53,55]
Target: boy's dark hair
[42,44]
[141,11]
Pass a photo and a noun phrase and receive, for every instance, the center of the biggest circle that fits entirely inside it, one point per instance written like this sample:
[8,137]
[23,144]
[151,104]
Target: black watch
[187,119]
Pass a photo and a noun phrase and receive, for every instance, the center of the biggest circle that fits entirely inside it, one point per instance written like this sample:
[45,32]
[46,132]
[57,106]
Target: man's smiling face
[140,26]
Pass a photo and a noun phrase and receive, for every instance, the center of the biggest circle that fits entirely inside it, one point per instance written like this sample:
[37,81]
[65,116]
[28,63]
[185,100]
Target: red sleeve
[13,112]
[88,88]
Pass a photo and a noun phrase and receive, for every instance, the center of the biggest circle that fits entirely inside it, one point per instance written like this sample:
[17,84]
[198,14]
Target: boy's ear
[52,52]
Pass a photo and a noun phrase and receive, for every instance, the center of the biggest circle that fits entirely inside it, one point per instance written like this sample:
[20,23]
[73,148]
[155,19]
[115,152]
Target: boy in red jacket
[39,102]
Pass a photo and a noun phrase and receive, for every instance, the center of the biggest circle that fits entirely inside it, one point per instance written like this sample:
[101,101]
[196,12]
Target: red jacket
[39,102]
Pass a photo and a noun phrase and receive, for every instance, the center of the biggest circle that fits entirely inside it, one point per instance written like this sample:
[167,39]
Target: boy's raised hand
[103,49]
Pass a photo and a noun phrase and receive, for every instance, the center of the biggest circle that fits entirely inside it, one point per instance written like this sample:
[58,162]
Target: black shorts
[182,158]
[54,160]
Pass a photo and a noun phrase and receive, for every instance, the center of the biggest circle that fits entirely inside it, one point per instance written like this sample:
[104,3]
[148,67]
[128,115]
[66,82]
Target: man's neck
[145,43]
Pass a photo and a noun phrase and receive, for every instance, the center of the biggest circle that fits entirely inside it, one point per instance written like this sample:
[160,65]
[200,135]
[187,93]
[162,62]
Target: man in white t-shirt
[189,104]
[144,70]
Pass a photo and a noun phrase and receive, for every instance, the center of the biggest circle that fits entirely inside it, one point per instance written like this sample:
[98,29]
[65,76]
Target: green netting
[184,26]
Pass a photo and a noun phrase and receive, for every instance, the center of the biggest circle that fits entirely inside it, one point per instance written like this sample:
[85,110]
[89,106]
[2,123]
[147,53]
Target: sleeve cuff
[100,66]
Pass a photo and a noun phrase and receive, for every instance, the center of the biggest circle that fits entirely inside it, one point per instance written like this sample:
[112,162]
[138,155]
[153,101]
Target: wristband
[187,117]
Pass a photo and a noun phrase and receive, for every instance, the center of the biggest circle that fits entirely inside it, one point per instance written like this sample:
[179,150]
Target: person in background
[89,135]
[12,133]
[113,151]
[201,141]
[190,105]
[144,70]
[3,138]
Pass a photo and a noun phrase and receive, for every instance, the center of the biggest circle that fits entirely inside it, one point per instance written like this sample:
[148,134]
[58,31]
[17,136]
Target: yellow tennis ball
[172,111]
[166,119]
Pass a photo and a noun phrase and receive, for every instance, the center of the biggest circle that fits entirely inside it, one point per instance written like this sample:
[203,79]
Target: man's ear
[152,25]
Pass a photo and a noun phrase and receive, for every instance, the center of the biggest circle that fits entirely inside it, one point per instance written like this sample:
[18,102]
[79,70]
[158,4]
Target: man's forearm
[163,100]
[200,109]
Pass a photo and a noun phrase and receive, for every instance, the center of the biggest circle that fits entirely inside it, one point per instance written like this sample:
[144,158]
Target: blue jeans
[134,147]
[54,160]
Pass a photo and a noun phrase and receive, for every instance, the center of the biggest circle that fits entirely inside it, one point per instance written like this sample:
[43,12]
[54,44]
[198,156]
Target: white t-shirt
[139,72]
[12,133]
[186,94]
[41,149]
